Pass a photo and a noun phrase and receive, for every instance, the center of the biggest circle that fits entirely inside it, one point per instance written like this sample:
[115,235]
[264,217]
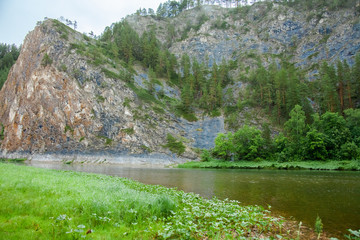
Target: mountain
[71,97]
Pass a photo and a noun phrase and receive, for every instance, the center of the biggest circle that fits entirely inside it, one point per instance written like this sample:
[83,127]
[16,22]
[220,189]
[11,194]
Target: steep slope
[269,30]
[56,102]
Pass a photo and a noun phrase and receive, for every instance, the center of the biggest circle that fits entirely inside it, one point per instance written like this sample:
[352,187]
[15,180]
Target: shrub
[2,131]
[128,131]
[248,143]
[46,60]
[174,145]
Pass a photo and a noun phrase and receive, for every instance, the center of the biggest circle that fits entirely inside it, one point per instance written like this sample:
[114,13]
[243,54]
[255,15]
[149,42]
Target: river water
[333,195]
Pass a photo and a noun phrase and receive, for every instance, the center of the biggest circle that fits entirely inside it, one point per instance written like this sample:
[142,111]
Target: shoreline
[155,160]
[346,165]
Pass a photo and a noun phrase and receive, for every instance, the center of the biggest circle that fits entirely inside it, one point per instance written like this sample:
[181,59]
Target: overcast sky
[18,17]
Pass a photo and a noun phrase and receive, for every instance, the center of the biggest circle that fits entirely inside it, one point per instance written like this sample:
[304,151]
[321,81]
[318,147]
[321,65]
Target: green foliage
[128,131]
[245,144]
[62,29]
[2,132]
[126,102]
[108,141]
[352,123]
[174,145]
[110,74]
[205,156]
[353,165]
[63,68]
[328,137]
[8,56]
[68,128]
[354,235]
[318,226]
[220,24]
[100,99]
[314,146]
[248,143]
[46,60]
[224,147]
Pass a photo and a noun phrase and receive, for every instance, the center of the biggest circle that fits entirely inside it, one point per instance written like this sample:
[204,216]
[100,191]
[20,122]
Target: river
[332,195]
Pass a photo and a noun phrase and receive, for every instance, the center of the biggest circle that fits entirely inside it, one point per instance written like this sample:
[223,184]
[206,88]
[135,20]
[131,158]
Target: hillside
[162,88]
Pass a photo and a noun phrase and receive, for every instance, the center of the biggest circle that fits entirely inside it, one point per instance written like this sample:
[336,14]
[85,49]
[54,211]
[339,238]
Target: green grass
[353,165]
[13,160]
[50,204]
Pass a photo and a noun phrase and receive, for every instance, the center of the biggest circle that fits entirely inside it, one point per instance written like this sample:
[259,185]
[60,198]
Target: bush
[205,156]
[248,143]
[349,151]
[174,145]
[46,60]
[2,131]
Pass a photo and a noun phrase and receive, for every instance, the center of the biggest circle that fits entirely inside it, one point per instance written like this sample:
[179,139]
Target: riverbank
[155,160]
[353,165]
[46,204]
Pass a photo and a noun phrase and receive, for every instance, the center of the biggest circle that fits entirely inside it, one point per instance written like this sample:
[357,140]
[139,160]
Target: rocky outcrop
[55,102]
[265,29]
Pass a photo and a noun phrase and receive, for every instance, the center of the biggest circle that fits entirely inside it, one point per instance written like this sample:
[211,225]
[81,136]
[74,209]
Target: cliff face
[268,30]
[55,102]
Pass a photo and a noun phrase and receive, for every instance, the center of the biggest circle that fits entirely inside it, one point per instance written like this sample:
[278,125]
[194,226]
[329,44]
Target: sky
[19,17]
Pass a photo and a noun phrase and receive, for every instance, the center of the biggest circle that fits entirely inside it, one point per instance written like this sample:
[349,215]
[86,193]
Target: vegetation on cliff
[173,8]
[8,56]
[48,204]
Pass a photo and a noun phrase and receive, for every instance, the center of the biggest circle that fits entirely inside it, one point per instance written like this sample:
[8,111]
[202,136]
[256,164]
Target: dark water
[334,196]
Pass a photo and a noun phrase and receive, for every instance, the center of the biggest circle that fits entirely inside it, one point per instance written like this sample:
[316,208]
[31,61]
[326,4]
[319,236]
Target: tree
[333,126]
[314,145]
[352,123]
[223,146]
[248,143]
[296,128]
[8,56]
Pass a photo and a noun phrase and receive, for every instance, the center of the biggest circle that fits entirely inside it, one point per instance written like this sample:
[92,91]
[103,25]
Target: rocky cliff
[55,102]
[58,103]
[268,30]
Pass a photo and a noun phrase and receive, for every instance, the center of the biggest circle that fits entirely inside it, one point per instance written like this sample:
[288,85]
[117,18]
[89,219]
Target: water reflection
[334,196]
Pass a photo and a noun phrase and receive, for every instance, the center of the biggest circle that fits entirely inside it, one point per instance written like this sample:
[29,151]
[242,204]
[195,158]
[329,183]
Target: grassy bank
[353,165]
[50,204]
[17,160]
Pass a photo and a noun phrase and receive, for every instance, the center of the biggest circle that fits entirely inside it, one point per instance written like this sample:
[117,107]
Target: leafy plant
[354,235]
[318,226]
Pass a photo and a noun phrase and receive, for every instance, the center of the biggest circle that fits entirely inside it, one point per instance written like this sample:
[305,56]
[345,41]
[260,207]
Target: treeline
[278,89]
[172,8]
[329,136]
[122,42]
[200,87]
[8,56]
